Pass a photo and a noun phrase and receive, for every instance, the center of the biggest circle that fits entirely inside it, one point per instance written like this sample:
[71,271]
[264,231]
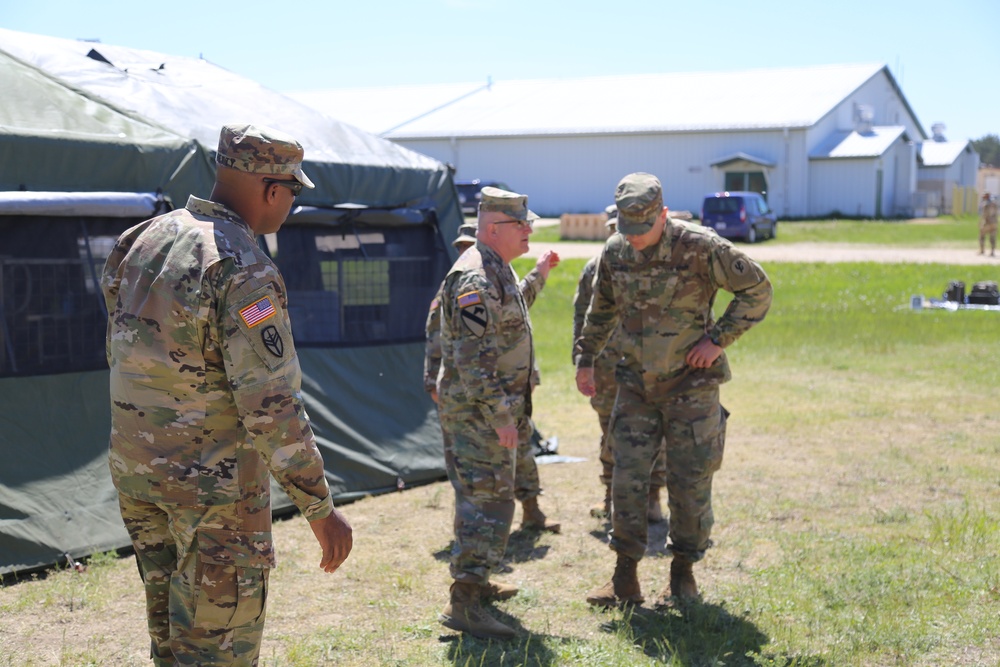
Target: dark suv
[469,195]
[739,215]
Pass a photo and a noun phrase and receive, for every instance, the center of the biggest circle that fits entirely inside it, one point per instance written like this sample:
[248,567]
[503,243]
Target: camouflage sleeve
[472,307]
[732,270]
[263,370]
[432,346]
[601,319]
[530,286]
[581,300]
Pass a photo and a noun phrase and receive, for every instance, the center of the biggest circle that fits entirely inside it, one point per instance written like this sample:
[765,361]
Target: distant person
[484,392]
[605,391]
[988,224]
[657,279]
[527,482]
[206,405]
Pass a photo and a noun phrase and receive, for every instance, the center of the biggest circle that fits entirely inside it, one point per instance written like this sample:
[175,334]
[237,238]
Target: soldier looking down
[657,279]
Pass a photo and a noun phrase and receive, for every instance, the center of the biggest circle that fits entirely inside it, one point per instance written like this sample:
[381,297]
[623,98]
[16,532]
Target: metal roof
[854,144]
[941,153]
[674,102]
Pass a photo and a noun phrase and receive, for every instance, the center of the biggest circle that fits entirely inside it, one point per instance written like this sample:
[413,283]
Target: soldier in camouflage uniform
[988,224]
[527,484]
[657,279]
[484,391]
[606,390]
[206,404]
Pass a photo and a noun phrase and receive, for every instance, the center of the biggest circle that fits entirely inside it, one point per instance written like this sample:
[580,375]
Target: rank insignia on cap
[257,312]
[473,313]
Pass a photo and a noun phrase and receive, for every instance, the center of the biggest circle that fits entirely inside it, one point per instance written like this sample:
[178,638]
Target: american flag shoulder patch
[258,311]
[469,299]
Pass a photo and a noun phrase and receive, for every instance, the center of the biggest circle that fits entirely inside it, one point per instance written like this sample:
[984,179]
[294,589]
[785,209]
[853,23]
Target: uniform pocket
[232,577]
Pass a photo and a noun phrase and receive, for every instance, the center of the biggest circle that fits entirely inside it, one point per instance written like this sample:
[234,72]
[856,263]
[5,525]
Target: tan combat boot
[465,613]
[683,587]
[603,510]
[623,588]
[654,514]
[497,591]
[532,517]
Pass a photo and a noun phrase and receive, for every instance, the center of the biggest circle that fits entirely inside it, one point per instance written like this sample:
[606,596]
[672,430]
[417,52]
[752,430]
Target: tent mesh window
[52,312]
[351,285]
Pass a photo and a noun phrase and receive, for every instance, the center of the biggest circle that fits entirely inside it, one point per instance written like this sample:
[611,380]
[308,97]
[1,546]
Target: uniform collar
[213,209]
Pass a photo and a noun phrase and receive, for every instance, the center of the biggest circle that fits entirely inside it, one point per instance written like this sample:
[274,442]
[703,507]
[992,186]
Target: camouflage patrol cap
[466,234]
[639,199]
[260,150]
[501,201]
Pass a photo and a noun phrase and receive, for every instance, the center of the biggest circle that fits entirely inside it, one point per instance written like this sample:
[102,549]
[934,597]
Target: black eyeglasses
[521,224]
[292,185]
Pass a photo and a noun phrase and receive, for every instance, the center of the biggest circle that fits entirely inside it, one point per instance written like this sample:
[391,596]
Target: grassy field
[944,232]
[855,516]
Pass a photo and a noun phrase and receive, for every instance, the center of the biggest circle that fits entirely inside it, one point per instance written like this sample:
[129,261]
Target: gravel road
[812,252]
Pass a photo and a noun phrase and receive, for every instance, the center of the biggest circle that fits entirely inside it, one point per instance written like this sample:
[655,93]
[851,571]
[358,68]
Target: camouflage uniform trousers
[691,427]
[526,481]
[482,474]
[603,403]
[205,571]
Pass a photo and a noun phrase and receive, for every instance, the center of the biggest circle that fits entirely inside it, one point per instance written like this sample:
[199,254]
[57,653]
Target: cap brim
[634,227]
[301,177]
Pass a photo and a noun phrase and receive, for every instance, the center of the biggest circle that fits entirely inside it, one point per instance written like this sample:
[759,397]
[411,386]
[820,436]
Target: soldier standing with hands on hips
[658,279]
[484,394]
[206,405]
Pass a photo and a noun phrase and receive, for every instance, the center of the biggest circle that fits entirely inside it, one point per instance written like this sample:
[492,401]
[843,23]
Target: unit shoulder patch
[473,313]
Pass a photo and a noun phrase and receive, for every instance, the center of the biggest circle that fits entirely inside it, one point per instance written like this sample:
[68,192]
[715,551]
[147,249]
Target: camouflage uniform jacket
[530,286]
[205,383]
[609,356]
[663,300]
[487,353]
[988,215]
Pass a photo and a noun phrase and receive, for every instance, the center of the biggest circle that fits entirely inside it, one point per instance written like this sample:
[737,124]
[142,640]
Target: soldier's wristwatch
[715,340]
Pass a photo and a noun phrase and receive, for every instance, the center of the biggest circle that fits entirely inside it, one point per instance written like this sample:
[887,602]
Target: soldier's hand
[336,537]
[549,260]
[508,436]
[585,381]
[703,354]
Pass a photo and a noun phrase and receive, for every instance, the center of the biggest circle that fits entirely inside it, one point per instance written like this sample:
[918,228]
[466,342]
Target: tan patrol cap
[261,150]
[639,199]
[502,201]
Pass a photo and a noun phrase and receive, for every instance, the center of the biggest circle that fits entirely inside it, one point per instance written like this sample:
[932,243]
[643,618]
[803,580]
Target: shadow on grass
[527,648]
[521,547]
[700,634]
[656,537]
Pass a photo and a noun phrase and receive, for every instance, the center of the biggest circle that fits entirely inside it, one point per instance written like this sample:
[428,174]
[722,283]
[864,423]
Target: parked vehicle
[739,215]
[469,193]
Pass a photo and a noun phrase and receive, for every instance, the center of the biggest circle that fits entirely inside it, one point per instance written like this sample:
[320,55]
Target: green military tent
[94,138]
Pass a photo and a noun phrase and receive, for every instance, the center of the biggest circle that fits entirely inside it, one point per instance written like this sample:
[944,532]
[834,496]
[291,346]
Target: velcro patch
[475,317]
[469,299]
[258,311]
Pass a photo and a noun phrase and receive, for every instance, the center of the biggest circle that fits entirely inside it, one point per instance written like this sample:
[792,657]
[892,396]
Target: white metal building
[814,140]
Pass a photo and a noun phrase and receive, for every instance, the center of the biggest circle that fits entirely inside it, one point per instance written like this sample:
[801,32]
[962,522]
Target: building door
[747,181]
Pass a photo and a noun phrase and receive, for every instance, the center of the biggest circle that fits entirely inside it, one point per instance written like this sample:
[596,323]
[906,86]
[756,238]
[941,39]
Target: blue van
[739,215]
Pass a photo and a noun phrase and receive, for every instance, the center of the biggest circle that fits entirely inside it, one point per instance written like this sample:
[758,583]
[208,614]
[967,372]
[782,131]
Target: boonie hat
[466,234]
[502,201]
[639,199]
[611,211]
[261,150]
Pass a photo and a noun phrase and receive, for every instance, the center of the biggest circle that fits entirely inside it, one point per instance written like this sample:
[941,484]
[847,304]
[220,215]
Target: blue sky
[945,55]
